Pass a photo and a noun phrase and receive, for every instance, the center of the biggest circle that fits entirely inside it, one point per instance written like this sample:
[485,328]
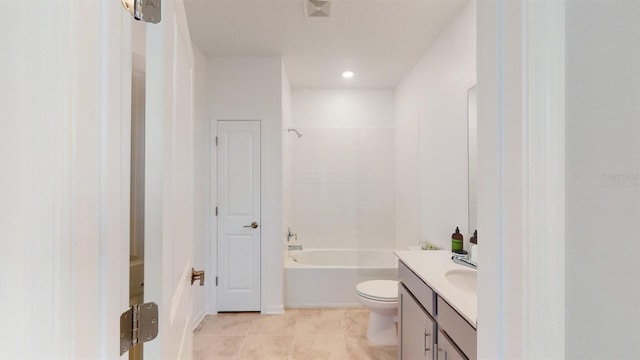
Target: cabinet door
[416,329]
[446,349]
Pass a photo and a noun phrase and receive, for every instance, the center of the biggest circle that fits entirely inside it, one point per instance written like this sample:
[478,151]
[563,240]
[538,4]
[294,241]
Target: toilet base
[382,329]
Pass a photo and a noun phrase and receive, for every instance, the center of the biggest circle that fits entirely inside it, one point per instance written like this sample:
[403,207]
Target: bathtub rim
[289,263]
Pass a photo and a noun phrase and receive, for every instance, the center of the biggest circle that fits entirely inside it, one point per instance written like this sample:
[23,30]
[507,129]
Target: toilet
[381,298]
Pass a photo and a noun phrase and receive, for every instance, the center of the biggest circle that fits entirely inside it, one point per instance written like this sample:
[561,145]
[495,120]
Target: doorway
[239,230]
[137,181]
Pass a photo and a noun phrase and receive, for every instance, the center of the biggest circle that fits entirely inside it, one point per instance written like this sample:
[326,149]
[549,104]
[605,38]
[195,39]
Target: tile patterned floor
[298,334]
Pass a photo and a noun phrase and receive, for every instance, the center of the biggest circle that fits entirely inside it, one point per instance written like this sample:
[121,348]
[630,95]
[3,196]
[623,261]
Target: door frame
[160,141]
[521,144]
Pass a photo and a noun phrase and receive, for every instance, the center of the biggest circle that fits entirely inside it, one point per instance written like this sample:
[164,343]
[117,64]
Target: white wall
[342,168]
[251,89]
[202,152]
[343,108]
[431,137]
[286,153]
[602,179]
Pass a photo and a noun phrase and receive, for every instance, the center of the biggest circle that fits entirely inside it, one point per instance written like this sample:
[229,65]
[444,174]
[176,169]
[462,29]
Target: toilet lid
[379,290]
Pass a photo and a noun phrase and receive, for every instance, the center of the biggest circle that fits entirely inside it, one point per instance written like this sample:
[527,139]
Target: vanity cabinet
[457,329]
[416,328]
[446,349]
[429,328]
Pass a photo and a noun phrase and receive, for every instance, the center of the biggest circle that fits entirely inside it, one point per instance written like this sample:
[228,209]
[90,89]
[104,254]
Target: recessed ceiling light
[347,74]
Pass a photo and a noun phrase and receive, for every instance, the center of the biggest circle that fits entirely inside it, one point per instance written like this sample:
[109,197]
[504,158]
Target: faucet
[462,260]
[291,235]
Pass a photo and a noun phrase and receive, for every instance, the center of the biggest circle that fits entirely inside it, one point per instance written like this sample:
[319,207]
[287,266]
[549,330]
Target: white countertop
[431,266]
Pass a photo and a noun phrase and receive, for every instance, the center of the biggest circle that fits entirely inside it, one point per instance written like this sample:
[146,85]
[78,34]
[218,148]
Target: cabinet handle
[425,342]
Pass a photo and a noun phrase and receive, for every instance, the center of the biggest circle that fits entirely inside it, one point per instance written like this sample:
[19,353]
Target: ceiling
[379,40]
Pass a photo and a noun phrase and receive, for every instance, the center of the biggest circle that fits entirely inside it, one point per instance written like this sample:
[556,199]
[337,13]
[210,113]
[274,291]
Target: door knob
[197,275]
[254,225]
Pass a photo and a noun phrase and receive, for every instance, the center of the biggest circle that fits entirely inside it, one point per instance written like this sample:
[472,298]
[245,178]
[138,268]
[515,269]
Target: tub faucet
[291,235]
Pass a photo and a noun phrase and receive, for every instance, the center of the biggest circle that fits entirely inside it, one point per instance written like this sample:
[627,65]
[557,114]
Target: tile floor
[298,334]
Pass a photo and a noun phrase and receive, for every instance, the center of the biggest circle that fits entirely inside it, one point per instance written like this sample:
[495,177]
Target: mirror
[472,146]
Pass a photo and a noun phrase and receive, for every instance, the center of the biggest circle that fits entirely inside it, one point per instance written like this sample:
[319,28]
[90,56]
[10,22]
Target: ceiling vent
[317,8]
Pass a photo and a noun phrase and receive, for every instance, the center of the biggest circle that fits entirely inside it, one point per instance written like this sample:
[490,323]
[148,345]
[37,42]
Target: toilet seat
[378,290]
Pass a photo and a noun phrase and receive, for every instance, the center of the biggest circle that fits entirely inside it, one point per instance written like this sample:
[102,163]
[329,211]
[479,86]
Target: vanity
[437,307]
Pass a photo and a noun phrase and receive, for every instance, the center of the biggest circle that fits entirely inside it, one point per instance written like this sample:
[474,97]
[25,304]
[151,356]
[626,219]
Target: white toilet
[381,298]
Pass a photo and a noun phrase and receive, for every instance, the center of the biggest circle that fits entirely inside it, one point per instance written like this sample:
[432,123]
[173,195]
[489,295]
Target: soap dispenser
[456,241]
[474,238]
[474,246]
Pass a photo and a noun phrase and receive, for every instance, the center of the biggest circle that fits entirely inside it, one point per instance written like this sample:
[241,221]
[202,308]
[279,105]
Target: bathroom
[558,170]
[345,168]
[348,167]
[360,176]
[429,179]
[558,153]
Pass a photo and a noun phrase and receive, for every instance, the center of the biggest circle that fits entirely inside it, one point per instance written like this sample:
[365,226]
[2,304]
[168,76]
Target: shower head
[296,131]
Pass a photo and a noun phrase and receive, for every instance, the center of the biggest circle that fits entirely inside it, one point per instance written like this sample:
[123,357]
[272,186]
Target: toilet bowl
[381,298]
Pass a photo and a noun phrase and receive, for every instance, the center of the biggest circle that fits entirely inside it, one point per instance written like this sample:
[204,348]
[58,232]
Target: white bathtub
[328,277]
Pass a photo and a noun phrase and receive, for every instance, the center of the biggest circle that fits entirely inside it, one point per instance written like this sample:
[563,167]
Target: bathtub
[328,277]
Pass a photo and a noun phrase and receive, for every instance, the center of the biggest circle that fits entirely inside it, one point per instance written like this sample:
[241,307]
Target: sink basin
[465,280]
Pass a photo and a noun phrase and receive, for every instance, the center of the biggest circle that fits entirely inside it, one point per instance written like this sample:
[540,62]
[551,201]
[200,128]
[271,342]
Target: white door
[64,105]
[239,216]
[169,182]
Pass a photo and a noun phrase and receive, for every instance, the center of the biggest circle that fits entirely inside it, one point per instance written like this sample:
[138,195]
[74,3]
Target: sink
[465,280]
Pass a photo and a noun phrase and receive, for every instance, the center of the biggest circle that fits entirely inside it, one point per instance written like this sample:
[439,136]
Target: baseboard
[273,310]
[197,318]
[323,305]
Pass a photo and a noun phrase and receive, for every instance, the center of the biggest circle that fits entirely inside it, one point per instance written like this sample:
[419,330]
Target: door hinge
[216,281]
[216,141]
[216,211]
[139,324]
[144,10]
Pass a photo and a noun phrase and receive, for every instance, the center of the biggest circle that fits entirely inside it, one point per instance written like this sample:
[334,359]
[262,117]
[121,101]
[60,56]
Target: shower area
[339,195]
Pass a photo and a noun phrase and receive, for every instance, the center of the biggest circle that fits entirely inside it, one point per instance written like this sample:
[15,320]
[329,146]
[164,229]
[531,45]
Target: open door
[169,182]
[64,107]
